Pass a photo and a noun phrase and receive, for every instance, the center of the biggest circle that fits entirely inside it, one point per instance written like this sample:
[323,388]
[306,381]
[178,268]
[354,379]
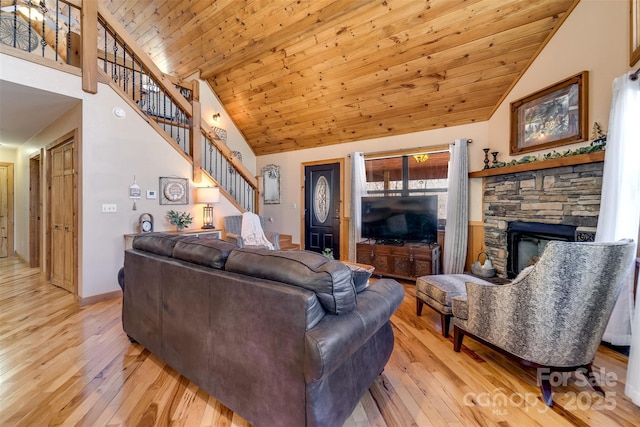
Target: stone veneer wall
[567,195]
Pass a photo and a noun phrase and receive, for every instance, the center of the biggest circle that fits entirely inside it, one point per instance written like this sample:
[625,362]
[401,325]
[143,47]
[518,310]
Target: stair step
[286,244]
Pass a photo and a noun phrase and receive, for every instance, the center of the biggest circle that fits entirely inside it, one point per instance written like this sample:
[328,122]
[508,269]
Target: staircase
[85,36]
[286,243]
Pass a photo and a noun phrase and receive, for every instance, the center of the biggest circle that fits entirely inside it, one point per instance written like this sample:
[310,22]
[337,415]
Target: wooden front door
[63,217]
[322,208]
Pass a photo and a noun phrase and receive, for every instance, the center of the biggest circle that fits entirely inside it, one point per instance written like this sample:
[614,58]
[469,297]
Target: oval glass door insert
[321,199]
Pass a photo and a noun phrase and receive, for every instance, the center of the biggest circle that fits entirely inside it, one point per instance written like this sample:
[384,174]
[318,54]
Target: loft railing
[46,28]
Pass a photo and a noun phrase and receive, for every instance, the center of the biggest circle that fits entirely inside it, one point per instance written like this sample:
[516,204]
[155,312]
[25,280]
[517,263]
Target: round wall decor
[174,191]
[25,38]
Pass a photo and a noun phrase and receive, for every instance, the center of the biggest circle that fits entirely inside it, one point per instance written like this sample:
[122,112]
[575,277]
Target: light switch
[109,208]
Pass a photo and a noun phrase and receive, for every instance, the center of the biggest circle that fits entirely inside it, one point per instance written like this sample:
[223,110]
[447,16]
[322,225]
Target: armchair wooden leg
[419,305]
[445,320]
[458,335]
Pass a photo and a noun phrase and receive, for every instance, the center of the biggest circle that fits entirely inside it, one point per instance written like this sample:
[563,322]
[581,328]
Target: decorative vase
[180,227]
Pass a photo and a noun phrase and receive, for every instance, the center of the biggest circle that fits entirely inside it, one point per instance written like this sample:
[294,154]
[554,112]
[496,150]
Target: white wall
[594,38]
[112,152]
[8,154]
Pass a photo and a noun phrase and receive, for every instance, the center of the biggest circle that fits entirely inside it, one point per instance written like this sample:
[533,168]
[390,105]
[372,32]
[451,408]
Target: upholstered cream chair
[553,315]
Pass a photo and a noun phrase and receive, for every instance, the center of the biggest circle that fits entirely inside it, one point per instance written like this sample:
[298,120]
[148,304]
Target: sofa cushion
[157,243]
[330,280]
[207,251]
[360,277]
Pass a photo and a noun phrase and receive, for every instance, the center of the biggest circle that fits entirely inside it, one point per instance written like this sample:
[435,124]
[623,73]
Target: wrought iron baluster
[126,69]
[43,41]
[69,35]
[57,15]
[104,60]
[114,70]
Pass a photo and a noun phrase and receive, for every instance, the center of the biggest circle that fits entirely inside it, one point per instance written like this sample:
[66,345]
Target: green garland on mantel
[596,145]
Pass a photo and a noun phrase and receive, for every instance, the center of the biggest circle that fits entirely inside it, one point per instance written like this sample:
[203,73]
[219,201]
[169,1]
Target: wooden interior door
[62,217]
[35,213]
[322,208]
[4,211]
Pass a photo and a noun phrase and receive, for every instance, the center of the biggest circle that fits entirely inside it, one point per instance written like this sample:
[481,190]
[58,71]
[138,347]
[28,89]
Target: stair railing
[224,167]
[174,107]
[133,73]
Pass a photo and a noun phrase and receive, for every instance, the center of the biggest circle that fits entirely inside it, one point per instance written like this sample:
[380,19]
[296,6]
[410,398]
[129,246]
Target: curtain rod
[434,148]
[634,76]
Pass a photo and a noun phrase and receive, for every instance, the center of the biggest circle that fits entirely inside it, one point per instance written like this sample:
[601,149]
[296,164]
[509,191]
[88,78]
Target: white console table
[215,232]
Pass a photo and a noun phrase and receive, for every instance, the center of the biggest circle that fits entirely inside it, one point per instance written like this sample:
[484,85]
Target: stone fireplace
[524,210]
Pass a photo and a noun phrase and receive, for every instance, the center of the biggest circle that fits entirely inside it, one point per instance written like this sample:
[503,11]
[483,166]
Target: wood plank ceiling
[307,73]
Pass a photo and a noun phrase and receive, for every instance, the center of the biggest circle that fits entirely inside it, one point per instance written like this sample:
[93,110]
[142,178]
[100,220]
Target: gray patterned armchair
[553,315]
[233,230]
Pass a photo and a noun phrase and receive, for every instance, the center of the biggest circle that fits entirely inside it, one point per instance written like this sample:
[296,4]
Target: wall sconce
[207,195]
[216,117]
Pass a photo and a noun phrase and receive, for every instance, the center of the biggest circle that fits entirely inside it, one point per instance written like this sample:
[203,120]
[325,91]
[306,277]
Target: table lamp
[207,195]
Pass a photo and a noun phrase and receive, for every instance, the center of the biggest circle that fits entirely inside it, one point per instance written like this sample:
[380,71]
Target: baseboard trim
[99,298]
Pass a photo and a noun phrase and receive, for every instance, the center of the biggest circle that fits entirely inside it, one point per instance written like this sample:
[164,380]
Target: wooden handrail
[228,154]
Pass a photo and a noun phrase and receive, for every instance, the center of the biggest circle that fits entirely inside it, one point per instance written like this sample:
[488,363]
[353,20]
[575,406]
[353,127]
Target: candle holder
[495,157]
[486,158]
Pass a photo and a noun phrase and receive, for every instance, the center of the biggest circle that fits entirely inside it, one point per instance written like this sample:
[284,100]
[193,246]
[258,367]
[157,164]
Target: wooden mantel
[578,159]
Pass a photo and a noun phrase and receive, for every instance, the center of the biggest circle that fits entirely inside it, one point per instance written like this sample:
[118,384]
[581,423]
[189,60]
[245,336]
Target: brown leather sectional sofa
[280,337]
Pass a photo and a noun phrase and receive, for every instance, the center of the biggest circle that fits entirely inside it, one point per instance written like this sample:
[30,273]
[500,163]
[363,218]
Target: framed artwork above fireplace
[554,116]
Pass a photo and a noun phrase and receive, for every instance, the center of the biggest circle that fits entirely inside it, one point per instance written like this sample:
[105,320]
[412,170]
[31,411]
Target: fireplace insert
[526,240]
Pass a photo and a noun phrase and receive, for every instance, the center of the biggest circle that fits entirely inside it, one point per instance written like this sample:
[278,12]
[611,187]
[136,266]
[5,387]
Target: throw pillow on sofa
[360,277]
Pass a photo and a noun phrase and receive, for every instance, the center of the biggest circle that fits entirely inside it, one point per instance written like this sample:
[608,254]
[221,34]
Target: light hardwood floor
[65,365]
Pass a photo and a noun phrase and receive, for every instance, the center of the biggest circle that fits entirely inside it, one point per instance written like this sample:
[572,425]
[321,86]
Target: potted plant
[179,219]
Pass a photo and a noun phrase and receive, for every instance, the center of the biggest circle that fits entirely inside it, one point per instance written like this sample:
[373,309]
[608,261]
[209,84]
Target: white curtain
[358,190]
[455,236]
[620,214]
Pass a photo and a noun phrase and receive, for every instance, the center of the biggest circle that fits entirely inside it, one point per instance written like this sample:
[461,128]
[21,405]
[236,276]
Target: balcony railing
[48,29]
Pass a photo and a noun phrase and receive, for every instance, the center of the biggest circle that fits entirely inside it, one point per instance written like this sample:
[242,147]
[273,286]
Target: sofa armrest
[336,337]
[235,239]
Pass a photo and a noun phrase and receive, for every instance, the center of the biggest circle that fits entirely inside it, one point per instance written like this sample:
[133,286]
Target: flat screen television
[400,219]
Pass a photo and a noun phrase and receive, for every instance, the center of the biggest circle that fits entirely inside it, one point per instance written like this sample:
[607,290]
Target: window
[408,175]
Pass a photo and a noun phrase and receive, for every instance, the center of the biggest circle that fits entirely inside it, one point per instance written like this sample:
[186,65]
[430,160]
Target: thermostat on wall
[151,194]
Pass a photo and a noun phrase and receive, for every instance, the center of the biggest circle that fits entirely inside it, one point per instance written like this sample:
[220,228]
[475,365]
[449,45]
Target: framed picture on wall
[554,116]
[271,182]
